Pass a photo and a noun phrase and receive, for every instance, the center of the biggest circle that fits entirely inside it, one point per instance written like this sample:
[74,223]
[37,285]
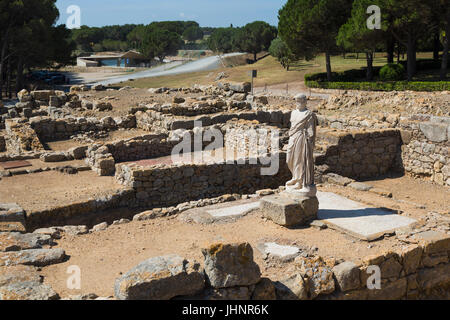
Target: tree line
[309,27]
[160,39]
[140,37]
[29,39]
[252,38]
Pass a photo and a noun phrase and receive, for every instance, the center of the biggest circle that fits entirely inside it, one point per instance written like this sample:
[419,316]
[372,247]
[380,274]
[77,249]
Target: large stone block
[389,291]
[428,278]
[317,275]
[33,257]
[78,152]
[20,273]
[433,241]
[411,257]
[243,87]
[15,241]
[264,290]
[436,132]
[347,276]
[23,283]
[42,94]
[292,288]
[230,265]
[28,291]
[12,217]
[53,157]
[160,278]
[289,211]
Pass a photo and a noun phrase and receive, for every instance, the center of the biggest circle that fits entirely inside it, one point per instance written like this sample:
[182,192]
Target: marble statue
[300,160]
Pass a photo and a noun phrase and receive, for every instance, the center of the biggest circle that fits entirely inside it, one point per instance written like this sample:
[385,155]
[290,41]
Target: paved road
[173,68]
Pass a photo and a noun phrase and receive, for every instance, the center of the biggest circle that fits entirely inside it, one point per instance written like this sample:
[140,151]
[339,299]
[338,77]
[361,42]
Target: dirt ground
[417,193]
[123,101]
[103,256]
[64,145]
[36,164]
[39,191]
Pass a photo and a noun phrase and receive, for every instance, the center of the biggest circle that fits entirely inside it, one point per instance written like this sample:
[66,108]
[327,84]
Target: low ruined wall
[192,108]
[143,147]
[425,141]
[49,129]
[362,154]
[102,157]
[249,140]
[418,271]
[168,185]
[81,212]
[152,120]
[412,272]
[425,147]
[21,138]
[377,121]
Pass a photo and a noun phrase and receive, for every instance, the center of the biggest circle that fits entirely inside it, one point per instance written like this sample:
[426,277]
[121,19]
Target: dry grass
[269,69]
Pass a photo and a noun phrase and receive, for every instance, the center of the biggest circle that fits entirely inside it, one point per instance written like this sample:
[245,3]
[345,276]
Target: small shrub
[381,86]
[392,72]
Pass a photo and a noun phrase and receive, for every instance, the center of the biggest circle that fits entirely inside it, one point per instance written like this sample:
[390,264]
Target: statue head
[301,101]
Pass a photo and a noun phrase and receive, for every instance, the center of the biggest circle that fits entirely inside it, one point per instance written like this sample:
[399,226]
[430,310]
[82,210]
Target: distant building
[122,59]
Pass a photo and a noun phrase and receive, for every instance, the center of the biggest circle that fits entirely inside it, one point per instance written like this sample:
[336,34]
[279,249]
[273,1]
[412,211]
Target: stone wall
[152,120]
[80,212]
[425,141]
[102,157]
[168,185]
[252,140]
[194,108]
[143,147]
[426,147]
[361,154]
[372,122]
[412,272]
[49,129]
[21,137]
[229,272]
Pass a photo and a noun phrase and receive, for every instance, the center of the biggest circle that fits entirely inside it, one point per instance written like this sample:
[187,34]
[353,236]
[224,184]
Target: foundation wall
[169,185]
[50,129]
[361,154]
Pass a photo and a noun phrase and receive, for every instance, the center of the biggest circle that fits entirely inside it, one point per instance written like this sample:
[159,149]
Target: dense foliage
[280,50]
[310,27]
[253,38]
[392,72]
[29,38]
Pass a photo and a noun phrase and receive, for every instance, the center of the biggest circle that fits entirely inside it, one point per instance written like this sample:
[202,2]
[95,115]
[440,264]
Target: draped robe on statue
[300,159]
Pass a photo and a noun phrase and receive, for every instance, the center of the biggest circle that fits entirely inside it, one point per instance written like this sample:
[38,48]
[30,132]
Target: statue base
[287,209]
[291,191]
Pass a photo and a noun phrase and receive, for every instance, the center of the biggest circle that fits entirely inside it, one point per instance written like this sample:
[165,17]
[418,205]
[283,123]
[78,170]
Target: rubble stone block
[347,276]
[160,278]
[433,241]
[289,211]
[230,265]
[12,217]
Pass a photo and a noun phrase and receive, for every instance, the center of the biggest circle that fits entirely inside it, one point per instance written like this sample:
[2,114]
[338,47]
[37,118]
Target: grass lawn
[269,69]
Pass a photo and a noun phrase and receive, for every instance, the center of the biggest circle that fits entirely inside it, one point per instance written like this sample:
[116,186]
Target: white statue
[300,159]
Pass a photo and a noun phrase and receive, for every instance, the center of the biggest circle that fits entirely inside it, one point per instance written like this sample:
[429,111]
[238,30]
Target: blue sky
[211,13]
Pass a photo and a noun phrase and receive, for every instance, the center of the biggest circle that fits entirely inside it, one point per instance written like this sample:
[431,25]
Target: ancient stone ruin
[218,219]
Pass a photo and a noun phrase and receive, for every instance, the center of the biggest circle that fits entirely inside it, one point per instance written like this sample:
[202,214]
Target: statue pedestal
[309,192]
[289,209]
